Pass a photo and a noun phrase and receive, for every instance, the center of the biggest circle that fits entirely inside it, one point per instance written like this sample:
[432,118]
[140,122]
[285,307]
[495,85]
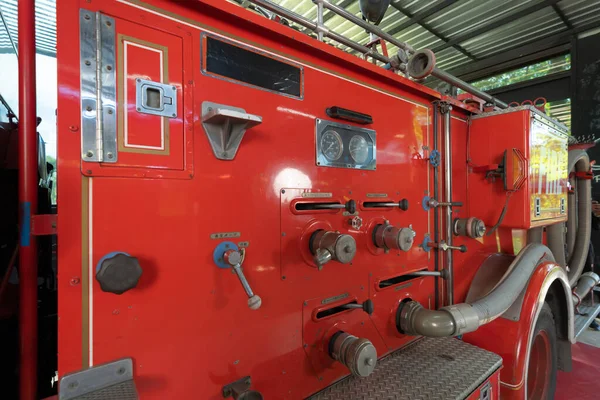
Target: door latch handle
[156,98]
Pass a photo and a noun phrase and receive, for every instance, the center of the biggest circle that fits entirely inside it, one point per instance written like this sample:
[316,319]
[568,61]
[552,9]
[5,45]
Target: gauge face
[332,145]
[359,149]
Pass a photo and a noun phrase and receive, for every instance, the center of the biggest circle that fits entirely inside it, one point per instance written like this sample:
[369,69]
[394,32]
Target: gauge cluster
[345,146]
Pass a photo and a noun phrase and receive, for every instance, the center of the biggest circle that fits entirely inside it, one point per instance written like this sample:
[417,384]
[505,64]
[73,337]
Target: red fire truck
[246,211]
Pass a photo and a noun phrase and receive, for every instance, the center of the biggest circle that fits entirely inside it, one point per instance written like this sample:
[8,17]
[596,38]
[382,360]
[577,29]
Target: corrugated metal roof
[462,31]
[45,26]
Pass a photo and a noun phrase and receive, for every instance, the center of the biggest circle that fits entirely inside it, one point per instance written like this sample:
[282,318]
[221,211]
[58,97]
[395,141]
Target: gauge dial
[332,145]
[359,149]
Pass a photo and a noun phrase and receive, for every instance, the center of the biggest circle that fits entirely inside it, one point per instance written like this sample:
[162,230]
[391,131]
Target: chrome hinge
[98,87]
[538,207]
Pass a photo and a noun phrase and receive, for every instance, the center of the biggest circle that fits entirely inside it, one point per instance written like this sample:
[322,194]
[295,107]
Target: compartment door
[142,134]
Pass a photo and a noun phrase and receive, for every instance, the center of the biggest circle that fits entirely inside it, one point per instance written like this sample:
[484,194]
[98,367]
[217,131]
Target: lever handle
[322,257]
[367,306]
[234,258]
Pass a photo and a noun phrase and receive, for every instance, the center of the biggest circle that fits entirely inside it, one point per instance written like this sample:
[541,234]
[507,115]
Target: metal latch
[538,207]
[156,98]
[486,391]
[98,87]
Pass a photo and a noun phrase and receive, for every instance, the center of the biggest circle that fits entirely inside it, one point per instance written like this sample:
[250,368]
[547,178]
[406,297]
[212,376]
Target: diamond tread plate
[431,368]
[587,313]
[122,391]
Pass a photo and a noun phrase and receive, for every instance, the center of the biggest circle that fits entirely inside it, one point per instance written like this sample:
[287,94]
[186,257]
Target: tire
[543,358]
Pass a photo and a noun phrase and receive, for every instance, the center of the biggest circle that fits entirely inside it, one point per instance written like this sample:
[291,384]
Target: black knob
[368,307]
[119,273]
[351,206]
[463,249]
[403,204]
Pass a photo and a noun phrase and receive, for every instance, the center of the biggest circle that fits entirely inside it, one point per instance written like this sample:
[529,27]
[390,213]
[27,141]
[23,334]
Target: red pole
[28,183]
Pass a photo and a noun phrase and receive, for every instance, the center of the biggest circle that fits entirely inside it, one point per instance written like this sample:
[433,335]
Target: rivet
[282,190]
[174,115]
[138,80]
[108,23]
[75,281]
[121,371]
[88,63]
[139,109]
[283,234]
[236,362]
[89,154]
[88,108]
[109,68]
[110,111]
[86,16]
[110,156]
[174,87]
[283,277]
[73,128]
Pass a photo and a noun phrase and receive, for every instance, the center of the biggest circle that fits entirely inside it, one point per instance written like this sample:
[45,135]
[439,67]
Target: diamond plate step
[431,368]
[587,313]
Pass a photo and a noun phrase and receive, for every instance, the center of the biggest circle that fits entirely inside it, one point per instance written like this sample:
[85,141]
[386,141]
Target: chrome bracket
[155,98]
[98,87]
[537,207]
[225,127]
[110,381]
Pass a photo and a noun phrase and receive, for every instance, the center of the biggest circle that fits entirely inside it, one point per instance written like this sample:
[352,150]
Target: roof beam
[525,54]
[498,23]
[421,15]
[327,15]
[431,29]
[562,16]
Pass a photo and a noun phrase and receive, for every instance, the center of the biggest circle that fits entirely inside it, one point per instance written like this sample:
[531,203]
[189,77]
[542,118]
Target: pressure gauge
[332,145]
[359,149]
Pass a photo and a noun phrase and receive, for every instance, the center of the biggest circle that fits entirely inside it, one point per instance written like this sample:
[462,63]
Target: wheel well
[557,299]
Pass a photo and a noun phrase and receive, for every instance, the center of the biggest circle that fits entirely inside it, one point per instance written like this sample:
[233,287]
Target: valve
[118,272]
[470,227]
[358,354]
[429,203]
[227,255]
[427,245]
[328,245]
[367,306]
[389,237]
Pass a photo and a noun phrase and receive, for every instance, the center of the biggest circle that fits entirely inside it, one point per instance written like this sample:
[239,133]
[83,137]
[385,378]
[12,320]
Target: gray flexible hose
[572,221]
[556,242]
[579,161]
[461,318]
[585,284]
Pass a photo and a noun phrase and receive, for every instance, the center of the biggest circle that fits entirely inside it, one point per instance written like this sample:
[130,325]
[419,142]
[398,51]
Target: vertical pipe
[448,198]
[320,21]
[436,222]
[28,180]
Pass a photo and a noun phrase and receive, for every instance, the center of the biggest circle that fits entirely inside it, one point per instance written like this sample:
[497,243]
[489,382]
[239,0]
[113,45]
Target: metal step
[587,313]
[440,368]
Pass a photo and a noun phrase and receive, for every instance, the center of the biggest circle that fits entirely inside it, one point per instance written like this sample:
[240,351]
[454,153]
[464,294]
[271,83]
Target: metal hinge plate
[98,87]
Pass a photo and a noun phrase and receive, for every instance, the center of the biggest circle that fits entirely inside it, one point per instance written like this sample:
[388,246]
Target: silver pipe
[364,24]
[459,83]
[320,21]
[453,320]
[448,199]
[425,273]
[308,24]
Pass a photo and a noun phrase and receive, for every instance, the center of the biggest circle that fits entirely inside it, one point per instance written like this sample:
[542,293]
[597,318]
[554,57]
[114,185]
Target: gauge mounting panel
[345,146]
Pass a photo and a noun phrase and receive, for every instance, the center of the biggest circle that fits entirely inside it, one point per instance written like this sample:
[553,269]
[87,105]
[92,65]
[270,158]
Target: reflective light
[291,178]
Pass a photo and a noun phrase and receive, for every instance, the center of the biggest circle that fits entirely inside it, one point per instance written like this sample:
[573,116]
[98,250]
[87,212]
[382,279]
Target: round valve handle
[234,258]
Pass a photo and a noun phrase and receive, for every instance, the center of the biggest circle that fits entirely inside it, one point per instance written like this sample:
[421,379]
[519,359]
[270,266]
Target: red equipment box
[518,159]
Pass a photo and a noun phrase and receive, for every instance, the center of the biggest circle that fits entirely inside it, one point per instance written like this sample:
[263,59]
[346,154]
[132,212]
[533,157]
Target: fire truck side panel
[187,324]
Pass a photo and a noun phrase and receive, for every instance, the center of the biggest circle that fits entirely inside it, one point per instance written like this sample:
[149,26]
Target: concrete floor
[590,337]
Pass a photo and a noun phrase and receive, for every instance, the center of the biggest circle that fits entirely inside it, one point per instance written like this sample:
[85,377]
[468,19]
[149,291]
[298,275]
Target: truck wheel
[541,372]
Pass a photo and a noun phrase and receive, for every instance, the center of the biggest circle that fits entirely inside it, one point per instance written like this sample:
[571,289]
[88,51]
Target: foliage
[544,68]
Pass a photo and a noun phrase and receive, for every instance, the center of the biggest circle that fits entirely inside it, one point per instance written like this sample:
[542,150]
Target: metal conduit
[448,198]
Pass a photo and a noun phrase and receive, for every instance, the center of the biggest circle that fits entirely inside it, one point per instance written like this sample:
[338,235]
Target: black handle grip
[368,307]
[351,206]
[463,249]
[403,204]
